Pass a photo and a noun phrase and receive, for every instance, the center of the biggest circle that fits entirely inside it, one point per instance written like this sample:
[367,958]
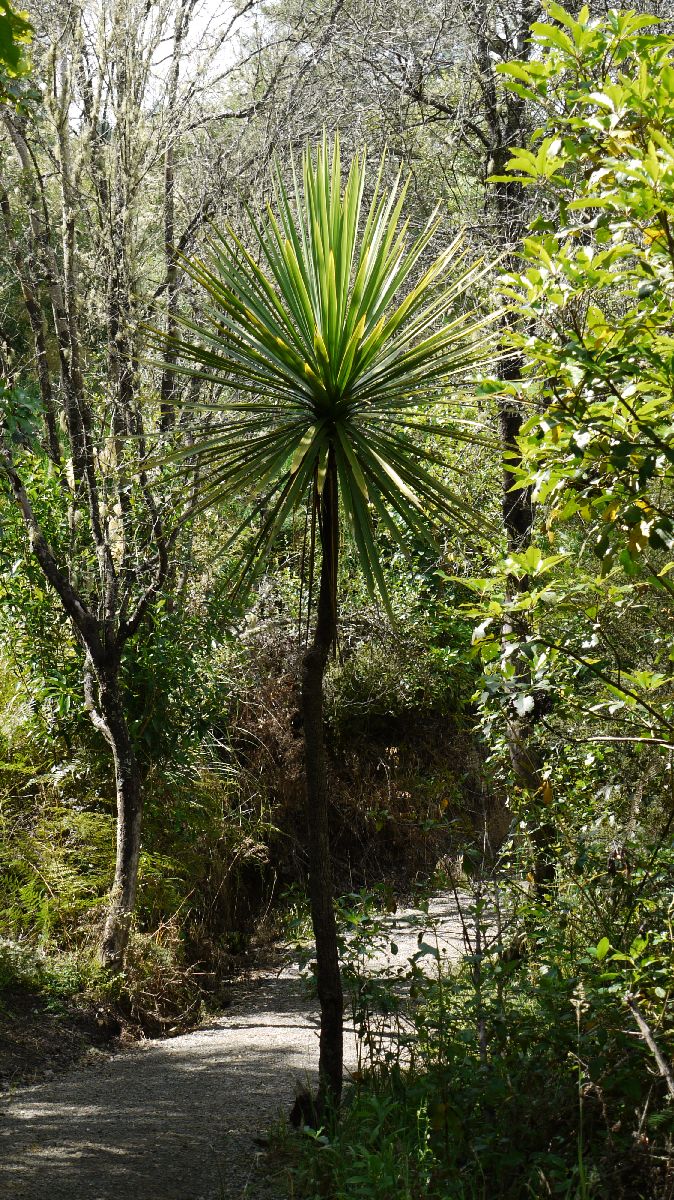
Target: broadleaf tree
[594,296]
[16,33]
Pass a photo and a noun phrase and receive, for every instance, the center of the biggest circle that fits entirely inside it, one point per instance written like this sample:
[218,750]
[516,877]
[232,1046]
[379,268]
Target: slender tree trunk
[108,716]
[518,520]
[328,977]
[168,379]
[523,748]
[507,127]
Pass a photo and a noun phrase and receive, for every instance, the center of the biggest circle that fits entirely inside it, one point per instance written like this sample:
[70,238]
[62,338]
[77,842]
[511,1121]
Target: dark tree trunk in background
[506,119]
[320,869]
[506,124]
[523,749]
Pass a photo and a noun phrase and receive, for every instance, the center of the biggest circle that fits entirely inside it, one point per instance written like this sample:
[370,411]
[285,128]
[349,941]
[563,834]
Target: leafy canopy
[333,335]
[597,284]
[596,296]
[16,33]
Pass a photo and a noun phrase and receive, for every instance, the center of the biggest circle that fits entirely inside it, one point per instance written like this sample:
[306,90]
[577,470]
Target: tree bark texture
[506,124]
[107,714]
[328,976]
[76,242]
[506,120]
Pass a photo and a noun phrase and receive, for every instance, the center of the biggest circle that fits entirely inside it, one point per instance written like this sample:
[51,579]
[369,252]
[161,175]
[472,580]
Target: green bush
[386,679]
[520,1071]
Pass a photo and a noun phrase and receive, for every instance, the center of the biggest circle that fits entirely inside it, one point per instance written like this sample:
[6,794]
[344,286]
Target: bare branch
[647,1035]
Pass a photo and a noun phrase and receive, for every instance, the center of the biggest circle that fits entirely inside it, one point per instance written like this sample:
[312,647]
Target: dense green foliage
[15,34]
[529,1073]
[320,330]
[525,1074]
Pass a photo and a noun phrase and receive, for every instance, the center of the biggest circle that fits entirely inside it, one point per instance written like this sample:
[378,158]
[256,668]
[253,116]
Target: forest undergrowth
[537,1065]
[223,864]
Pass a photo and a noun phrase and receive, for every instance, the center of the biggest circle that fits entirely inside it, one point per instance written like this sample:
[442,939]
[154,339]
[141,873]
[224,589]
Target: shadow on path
[173,1121]
[177,1119]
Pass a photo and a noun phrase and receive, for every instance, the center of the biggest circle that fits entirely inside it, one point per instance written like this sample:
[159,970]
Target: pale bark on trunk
[107,714]
[83,190]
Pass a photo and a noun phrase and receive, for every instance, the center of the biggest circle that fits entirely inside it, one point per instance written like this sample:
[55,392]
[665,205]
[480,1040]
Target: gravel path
[177,1119]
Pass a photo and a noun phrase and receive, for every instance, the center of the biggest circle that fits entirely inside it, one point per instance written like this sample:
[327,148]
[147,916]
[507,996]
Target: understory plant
[594,297]
[541,1009]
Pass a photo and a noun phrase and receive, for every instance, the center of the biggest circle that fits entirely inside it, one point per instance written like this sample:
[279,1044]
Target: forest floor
[183,1118]
[39,1040]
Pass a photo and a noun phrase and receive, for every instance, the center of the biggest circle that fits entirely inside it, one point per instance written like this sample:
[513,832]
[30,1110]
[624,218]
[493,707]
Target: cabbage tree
[334,331]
